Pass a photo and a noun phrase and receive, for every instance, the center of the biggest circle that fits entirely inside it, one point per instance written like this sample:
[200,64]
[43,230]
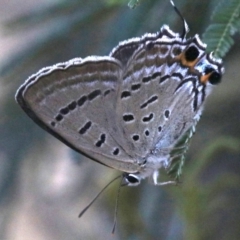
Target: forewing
[76,102]
[126,49]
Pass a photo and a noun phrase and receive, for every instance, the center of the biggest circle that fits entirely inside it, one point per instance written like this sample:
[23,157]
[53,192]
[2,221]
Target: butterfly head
[131,179]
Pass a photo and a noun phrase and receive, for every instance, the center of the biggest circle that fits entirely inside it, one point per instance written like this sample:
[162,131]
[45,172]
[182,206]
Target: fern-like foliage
[177,155]
[133,3]
[225,23]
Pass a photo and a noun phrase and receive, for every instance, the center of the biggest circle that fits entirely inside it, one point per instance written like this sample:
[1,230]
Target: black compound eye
[191,54]
[132,179]
[215,78]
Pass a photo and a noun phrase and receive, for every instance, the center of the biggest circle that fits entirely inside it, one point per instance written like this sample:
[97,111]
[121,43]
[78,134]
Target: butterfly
[132,109]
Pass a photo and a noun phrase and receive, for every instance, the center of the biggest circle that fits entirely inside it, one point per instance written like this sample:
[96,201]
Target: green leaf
[178,155]
[116,2]
[225,23]
[133,3]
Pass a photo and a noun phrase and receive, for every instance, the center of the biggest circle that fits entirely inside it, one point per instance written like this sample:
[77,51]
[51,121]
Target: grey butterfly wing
[76,102]
[156,98]
[125,49]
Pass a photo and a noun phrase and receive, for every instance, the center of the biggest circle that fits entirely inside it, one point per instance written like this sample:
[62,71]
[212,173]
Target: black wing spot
[72,105]
[191,54]
[64,111]
[164,78]
[149,101]
[53,124]
[135,137]
[159,128]
[215,78]
[107,92]
[195,101]
[81,100]
[167,113]
[125,94]
[148,118]
[128,117]
[85,128]
[148,79]
[94,94]
[147,133]
[59,117]
[135,87]
[100,142]
[116,151]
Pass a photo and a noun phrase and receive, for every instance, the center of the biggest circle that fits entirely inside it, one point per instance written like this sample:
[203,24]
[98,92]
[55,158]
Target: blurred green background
[44,185]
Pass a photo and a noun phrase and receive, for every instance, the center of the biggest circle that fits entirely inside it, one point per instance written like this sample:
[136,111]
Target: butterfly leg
[155,180]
